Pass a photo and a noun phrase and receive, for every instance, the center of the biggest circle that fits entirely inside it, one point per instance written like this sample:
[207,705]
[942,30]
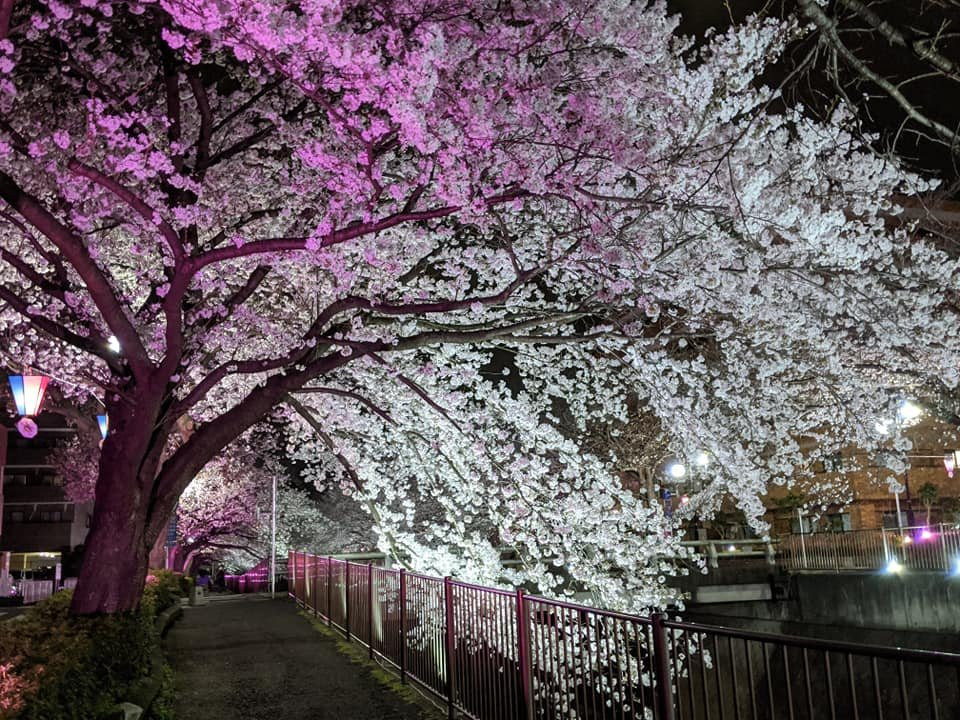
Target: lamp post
[273,540]
[28,392]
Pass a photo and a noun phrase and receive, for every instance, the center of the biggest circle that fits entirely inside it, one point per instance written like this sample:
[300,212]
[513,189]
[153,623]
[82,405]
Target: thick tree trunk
[114,565]
[117,549]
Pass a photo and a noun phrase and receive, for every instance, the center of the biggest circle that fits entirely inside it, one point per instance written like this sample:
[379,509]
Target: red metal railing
[256,579]
[494,654]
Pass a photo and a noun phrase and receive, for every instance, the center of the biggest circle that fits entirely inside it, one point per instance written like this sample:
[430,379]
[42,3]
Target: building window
[800,525]
[838,522]
[890,520]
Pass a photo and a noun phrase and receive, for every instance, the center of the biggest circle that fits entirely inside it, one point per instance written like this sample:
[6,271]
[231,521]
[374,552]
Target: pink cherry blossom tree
[363,201]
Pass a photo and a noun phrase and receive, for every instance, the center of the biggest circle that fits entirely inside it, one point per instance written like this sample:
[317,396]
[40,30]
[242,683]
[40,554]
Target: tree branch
[423,394]
[206,124]
[59,270]
[895,37]
[135,203]
[50,327]
[6,12]
[828,30]
[359,229]
[349,394]
[76,254]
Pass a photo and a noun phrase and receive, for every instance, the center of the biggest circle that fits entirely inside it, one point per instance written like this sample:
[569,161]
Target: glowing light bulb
[909,411]
[677,470]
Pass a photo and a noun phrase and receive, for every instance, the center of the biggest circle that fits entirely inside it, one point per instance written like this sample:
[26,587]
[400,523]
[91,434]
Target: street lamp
[28,391]
[908,411]
[677,470]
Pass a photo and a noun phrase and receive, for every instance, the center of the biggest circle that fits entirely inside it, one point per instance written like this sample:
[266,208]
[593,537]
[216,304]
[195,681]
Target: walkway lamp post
[273,539]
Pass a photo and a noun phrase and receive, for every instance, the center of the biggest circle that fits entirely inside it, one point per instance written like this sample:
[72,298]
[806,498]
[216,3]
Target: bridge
[491,654]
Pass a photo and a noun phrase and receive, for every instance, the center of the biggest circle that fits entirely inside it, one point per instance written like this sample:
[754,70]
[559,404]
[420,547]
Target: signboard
[172,531]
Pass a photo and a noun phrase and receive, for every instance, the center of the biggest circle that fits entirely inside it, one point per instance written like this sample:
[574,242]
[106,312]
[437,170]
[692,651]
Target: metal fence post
[448,604]
[661,669]
[292,581]
[346,596]
[306,582]
[329,591]
[712,555]
[944,553]
[403,625]
[523,654]
[370,609]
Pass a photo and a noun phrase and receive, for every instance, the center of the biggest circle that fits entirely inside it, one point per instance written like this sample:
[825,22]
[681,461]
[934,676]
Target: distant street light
[703,459]
[28,392]
[677,470]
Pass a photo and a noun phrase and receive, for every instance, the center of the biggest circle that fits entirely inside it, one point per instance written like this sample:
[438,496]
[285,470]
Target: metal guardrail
[494,654]
[713,550]
[934,548]
[256,579]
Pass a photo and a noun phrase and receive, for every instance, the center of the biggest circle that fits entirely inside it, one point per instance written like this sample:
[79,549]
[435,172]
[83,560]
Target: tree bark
[117,549]
[115,561]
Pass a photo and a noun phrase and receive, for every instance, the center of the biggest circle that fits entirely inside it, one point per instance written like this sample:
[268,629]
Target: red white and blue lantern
[28,392]
[104,422]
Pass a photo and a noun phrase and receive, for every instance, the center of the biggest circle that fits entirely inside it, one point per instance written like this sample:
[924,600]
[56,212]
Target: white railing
[35,590]
[713,550]
[935,548]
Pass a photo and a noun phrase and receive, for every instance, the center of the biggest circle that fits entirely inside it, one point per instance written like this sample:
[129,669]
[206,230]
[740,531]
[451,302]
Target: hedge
[54,665]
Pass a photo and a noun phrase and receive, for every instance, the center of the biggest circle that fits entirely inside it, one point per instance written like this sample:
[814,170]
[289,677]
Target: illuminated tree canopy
[370,207]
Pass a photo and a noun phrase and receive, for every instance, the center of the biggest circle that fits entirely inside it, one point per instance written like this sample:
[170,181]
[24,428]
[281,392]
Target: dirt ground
[252,658]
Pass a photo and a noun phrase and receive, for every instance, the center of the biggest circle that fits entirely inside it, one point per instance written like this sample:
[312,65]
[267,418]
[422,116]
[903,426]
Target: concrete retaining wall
[916,609]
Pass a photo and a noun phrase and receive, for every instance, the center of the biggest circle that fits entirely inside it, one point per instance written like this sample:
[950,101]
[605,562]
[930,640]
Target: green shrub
[165,588]
[77,668]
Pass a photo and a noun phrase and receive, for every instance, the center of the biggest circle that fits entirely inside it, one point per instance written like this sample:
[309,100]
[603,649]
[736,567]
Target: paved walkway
[252,658]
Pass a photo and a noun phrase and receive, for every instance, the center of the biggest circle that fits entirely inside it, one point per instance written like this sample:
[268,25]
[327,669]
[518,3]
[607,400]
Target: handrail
[498,654]
[886,652]
[933,548]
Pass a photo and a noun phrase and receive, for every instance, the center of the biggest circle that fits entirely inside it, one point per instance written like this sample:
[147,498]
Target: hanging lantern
[950,462]
[104,422]
[28,391]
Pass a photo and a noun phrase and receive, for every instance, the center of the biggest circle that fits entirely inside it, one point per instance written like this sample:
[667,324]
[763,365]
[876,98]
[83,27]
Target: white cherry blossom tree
[366,201]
